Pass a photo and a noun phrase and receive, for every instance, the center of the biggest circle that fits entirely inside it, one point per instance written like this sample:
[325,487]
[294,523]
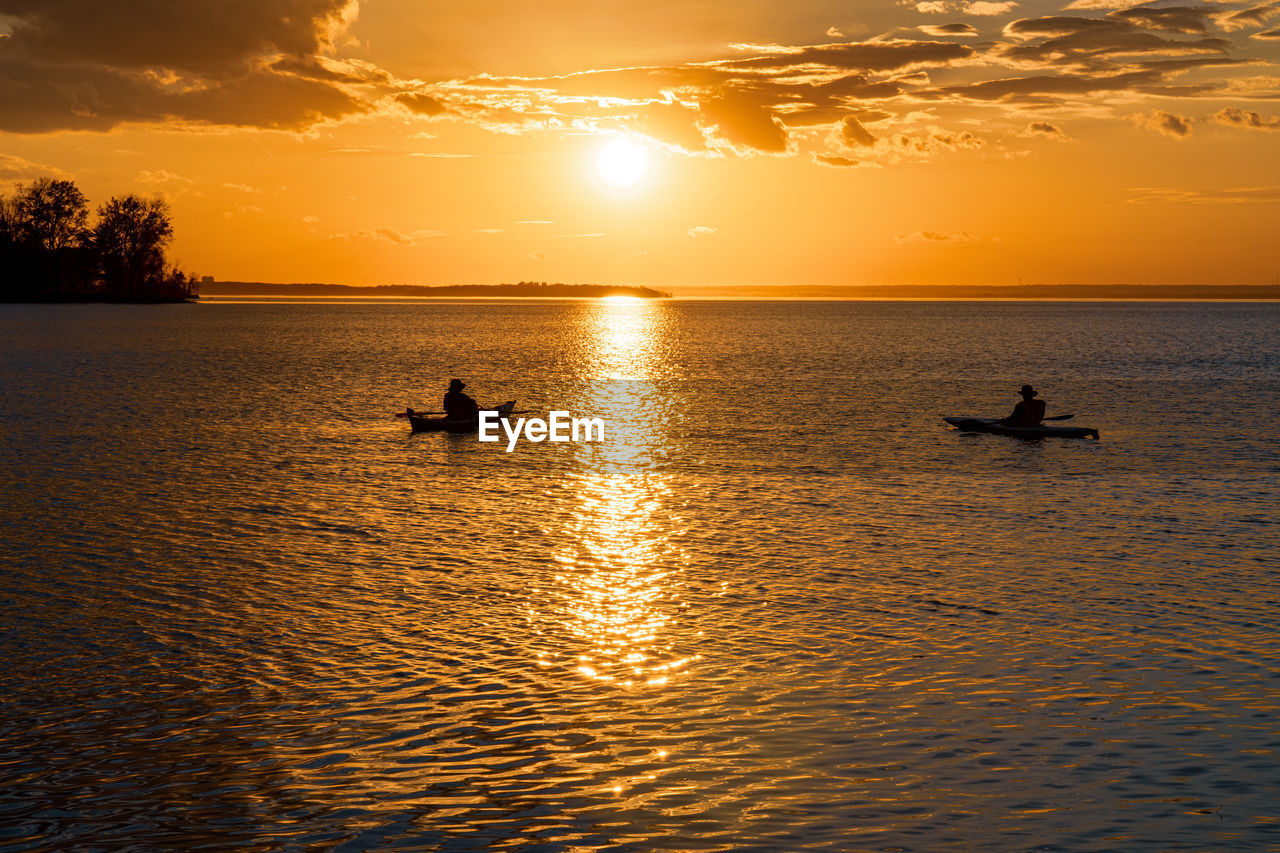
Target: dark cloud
[1037,87]
[1093,44]
[1170,124]
[88,65]
[1255,16]
[941,30]
[1178,19]
[36,99]
[193,35]
[1245,118]
[1268,34]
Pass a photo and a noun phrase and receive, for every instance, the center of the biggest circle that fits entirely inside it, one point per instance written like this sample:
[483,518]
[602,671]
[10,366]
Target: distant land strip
[529,289]
[523,290]
[1021,291]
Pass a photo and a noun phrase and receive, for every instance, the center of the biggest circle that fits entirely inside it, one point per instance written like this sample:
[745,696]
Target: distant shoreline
[531,290]
[97,299]
[527,290]
[1041,292]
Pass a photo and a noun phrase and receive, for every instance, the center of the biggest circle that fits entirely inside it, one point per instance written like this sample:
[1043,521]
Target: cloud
[986,8]
[931,7]
[853,134]
[1170,124]
[835,33]
[834,162]
[1268,34]
[1090,5]
[1245,118]
[16,170]
[538,255]
[942,30]
[1254,16]
[1178,19]
[85,65]
[674,124]
[934,140]
[1097,45]
[1043,128]
[1230,195]
[702,231]
[390,236]
[160,176]
[743,124]
[936,238]
[422,103]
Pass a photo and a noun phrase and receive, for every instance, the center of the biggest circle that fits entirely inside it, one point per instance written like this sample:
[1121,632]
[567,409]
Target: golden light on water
[619,574]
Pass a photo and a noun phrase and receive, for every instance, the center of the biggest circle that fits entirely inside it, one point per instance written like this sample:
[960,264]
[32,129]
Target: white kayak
[993,425]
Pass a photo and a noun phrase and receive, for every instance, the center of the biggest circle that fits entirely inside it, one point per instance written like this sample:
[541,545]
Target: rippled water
[781,607]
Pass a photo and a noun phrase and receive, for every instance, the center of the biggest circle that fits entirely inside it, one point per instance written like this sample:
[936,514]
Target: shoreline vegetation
[522,289]
[49,252]
[534,290]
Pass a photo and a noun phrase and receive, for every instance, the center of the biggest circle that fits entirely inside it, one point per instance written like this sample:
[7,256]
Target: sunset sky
[665,143]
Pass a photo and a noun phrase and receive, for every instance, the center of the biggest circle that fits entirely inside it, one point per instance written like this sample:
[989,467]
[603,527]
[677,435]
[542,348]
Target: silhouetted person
[1028,413]
[458,405]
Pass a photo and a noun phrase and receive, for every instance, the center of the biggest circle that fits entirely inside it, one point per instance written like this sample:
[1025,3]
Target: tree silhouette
[54,214]
[42,237]
[130,237]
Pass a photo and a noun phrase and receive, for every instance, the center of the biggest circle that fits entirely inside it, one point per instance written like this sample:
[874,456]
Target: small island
[49,251]
[519,290]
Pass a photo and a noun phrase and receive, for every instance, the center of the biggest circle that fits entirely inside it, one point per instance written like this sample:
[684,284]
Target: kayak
[993,425]
[420,423]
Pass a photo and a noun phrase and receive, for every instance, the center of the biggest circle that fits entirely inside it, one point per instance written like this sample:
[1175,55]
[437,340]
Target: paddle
[423,414]
[1059,418]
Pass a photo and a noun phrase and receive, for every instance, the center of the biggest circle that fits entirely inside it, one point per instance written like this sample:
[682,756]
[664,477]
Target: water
[781,607]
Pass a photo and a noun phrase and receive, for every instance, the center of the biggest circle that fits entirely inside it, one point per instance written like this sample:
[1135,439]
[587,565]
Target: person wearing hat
[1028,413]
[458,406]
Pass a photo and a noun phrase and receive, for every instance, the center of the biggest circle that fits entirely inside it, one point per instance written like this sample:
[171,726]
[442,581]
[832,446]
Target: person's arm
[1014,416]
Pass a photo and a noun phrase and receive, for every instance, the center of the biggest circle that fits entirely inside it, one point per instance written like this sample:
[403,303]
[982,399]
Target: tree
[130,237]
[52,214]
[42,235]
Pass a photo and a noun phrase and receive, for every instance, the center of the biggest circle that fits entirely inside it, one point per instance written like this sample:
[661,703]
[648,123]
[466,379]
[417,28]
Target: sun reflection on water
[617,591]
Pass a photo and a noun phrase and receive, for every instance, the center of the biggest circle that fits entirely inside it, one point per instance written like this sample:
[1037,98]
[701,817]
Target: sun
[622,164]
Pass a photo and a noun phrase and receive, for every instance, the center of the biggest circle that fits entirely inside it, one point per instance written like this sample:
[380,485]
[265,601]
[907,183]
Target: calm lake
[781,607]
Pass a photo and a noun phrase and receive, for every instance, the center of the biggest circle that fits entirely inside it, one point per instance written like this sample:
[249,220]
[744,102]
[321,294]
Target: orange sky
[826,143]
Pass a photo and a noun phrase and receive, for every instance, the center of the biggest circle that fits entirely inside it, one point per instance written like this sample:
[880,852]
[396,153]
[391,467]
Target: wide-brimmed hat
[1027,391]
[459,384]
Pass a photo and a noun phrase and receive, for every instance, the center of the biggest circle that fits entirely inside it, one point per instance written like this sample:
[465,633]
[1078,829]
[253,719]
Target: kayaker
[1028,413]
[458,406]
